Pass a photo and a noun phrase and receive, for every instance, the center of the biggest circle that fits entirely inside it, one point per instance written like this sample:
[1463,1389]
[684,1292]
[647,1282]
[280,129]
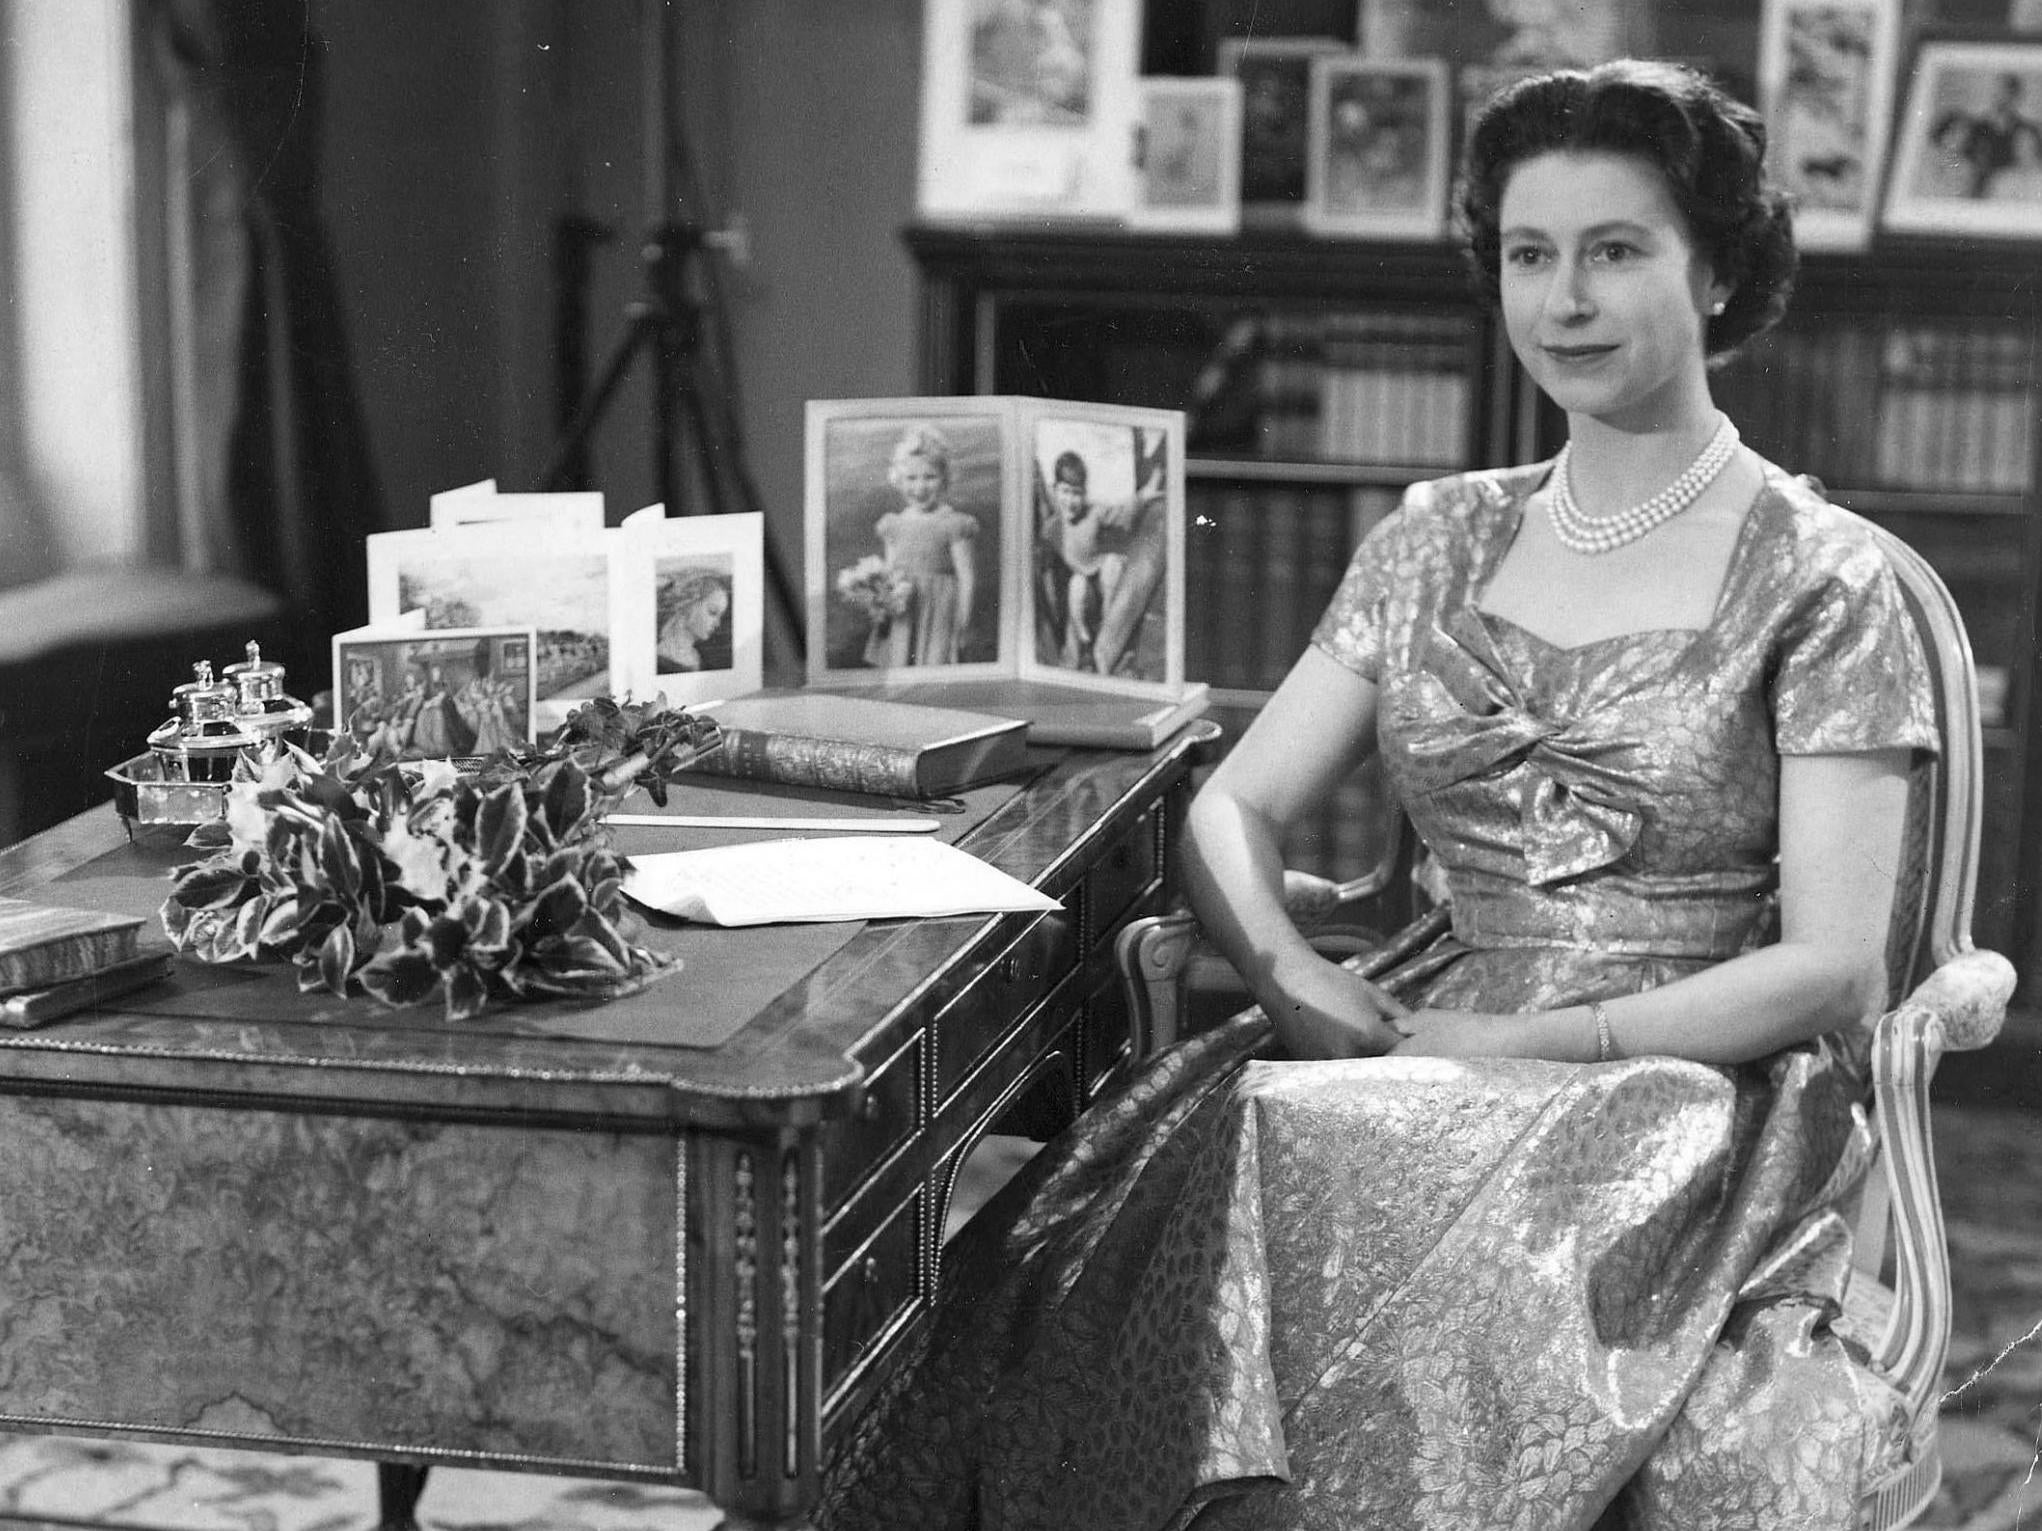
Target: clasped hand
[1457,1034]
[1323,1010]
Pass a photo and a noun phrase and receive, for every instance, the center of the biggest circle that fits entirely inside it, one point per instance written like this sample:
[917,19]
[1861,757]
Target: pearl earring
[1716,308]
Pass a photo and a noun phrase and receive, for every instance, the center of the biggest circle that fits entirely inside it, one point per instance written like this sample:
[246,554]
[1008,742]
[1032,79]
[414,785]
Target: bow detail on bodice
[1467,719]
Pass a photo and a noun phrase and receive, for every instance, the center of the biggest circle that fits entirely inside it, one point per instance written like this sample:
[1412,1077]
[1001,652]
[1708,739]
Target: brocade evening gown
[1484,1293]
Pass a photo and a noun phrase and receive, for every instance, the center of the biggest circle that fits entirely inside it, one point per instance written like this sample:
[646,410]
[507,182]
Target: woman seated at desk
[1545,1228]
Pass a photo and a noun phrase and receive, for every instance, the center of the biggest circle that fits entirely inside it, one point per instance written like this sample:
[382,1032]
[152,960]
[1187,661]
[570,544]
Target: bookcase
[1319,378]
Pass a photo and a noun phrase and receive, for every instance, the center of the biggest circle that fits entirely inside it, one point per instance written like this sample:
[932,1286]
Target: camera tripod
[670,320]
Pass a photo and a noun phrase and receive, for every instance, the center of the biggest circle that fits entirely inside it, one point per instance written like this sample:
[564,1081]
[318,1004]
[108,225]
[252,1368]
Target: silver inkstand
[213,722]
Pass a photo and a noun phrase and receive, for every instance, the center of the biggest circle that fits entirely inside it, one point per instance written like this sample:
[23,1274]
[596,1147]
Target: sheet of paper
[842,877]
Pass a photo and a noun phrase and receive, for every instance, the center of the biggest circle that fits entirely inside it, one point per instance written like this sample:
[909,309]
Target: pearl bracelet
[1605,1047]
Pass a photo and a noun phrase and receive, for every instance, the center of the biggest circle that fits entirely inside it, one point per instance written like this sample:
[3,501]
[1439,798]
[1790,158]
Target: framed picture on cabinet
[1377,160]
[1027,107]
[1276,105]
[1540,37]
[1826,81]
[1187,156]
[1968,158]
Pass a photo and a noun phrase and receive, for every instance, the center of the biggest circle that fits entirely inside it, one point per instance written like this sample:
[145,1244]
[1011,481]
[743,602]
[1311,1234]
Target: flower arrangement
[875,589]
[413,879]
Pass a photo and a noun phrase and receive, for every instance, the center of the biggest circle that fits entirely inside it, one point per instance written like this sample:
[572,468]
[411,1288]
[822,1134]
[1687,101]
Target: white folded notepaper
[841,877]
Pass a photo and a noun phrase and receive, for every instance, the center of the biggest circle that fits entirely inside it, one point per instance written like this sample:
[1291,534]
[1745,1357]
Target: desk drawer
[858,1145]
[993,1002]
[1104,1047]
[1126,872]
[874,1288]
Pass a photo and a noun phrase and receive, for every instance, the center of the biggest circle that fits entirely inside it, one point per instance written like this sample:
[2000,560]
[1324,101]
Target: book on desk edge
[34,1007]
[45,944]
[885,746]
[1064,714]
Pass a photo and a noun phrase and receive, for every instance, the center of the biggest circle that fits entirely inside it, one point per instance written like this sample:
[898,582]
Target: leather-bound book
[45,944]
[860,744]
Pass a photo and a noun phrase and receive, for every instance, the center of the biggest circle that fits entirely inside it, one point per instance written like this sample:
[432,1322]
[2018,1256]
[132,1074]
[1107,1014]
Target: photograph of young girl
[1101,548]
[911,541]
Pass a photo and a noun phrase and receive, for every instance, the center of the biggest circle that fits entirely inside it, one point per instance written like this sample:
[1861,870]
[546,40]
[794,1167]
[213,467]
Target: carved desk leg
[760,1325]
[399,1485]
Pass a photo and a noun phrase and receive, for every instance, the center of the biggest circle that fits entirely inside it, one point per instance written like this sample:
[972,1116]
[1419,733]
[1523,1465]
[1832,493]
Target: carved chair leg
[399,1486]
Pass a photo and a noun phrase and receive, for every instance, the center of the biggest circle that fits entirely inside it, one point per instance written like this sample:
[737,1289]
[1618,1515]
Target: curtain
[281,456]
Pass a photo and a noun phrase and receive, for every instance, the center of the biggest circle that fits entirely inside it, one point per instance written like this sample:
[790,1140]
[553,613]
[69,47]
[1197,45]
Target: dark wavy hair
[1709,146]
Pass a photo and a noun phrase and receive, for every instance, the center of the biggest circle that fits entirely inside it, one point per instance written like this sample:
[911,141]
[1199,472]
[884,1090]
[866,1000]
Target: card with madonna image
[688,593]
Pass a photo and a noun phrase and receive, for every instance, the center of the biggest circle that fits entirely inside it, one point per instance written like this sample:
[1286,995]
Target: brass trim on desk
[316,1445]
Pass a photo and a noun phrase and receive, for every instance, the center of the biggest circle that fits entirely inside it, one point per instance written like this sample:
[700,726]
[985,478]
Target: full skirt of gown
[1395,1293]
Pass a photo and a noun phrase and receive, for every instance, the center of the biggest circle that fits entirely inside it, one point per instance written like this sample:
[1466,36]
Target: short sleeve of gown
[1352,628]
[1850,674]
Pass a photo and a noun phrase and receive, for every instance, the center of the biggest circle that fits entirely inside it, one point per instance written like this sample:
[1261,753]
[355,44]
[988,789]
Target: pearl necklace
[1583,533]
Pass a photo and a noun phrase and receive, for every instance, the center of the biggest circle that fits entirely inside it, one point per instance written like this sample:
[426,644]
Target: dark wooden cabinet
[1321,377]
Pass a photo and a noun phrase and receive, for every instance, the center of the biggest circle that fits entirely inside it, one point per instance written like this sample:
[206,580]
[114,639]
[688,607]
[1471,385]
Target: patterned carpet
[1989,1154]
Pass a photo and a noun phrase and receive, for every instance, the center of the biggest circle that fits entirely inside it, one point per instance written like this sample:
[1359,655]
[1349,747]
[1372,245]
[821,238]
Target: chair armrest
[1155,953]
[1959,1006]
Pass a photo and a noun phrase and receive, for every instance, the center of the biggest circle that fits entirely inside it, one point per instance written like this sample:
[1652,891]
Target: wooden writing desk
[422,1243]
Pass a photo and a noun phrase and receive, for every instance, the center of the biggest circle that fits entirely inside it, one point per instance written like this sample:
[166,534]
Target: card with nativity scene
[447,694]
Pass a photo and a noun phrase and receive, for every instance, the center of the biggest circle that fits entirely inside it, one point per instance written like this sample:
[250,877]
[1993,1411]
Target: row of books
[1956,408]
[1392,388]
[1921,407]
[1930,406]
[1261,562]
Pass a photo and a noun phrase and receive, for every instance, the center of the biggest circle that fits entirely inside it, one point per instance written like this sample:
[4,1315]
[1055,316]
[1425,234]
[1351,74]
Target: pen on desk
[739,821]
